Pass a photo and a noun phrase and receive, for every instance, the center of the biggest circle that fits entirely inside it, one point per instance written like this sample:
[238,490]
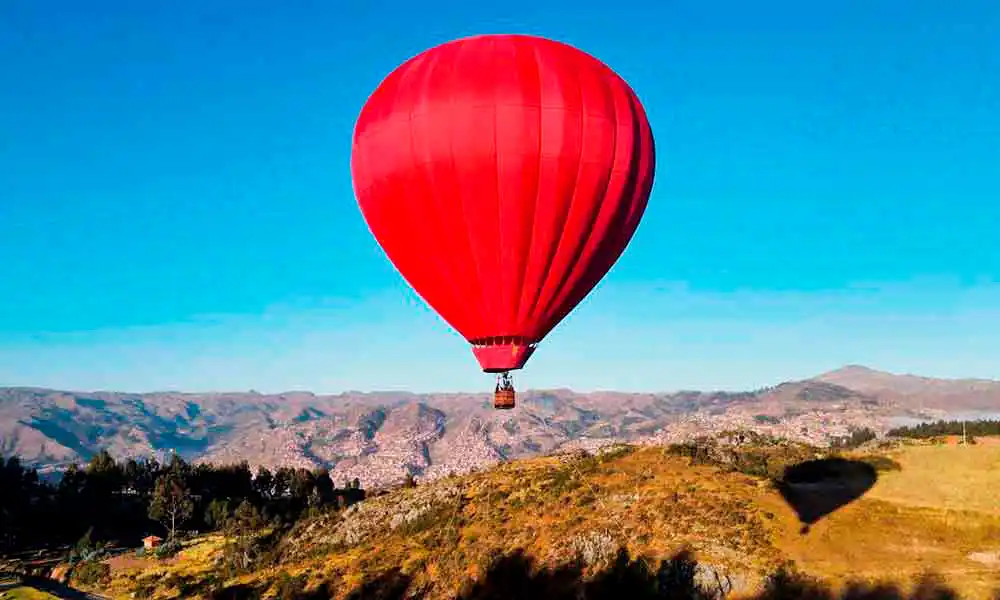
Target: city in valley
[766,494]
[382,438]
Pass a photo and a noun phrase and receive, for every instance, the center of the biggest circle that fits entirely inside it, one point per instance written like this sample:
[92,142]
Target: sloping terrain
[441,538]
[914,392]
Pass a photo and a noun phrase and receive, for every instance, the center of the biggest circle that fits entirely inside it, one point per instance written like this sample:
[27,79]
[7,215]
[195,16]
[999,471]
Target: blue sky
[176,208]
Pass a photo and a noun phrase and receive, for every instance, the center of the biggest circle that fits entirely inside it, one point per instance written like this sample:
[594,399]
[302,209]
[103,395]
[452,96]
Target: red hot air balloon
[503,176]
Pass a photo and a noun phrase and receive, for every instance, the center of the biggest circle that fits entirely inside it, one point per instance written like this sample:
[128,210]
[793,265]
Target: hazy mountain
[915,392]
[379,437]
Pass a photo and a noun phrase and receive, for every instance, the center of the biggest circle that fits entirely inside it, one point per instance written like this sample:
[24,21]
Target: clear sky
[176,209]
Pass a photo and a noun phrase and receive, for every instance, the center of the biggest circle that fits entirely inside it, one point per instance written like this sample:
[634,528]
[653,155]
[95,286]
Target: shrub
[290,588]
[882,463]
[167,549]
[92,573]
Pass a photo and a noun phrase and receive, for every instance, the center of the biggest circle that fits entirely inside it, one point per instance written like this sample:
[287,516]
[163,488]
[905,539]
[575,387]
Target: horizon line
[372,392]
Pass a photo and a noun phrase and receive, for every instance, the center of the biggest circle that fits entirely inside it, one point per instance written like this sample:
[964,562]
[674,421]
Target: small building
[151,541]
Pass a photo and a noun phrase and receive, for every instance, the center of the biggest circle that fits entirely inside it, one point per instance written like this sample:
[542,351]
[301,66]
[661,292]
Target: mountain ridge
[850,369]
[381,437]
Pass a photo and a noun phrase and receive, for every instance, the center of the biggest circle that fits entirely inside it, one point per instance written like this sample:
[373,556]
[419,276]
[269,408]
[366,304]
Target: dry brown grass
[958,478]
[935,512]
[652,503]
[195,562]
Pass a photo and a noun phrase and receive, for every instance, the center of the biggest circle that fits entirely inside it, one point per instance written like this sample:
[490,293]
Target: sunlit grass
[654,504]
[25,593]
[935,512]
[963,478]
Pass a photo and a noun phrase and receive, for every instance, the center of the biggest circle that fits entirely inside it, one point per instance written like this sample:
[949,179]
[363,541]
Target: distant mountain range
[379,437]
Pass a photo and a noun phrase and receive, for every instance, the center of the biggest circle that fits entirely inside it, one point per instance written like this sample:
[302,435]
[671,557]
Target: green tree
[217,513]
[324,487]
[244,527]
[103,464]
[172,505]
[263,483]
[301,485]
[282,482]
[177,466]
[131,474]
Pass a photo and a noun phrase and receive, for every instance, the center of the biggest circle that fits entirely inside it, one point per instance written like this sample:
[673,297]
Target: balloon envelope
[503,175]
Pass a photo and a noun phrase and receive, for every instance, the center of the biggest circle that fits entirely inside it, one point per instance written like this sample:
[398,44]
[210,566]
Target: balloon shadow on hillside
[517,576]
[817,488]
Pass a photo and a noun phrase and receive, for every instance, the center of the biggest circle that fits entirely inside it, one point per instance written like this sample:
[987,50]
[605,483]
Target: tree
[301,485]
[172,504]
[217,513]
[282,482]
[72,481]
[103,464]
[86,543]
[131,474]
[244,527]
[177,466]
[315,498]
[263,483]
[149,470]
[324,487]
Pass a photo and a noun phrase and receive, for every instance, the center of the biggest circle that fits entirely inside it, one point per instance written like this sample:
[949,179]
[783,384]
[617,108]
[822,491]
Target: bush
[92,573]
[882,463]
[290,588]
[856,438]
[167,549]
[615,452]
[86,543]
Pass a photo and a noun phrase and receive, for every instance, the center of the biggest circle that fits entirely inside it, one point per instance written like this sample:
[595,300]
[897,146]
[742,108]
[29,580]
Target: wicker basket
[503,399]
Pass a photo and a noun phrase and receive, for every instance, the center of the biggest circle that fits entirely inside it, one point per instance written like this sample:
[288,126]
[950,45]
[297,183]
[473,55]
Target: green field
[23,593]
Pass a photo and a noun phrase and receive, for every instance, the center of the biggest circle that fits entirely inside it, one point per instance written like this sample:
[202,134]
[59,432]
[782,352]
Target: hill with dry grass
[710,515]
[916,392]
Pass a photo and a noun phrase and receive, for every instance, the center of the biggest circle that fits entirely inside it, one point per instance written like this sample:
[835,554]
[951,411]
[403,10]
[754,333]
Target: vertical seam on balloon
[523,321]
[581,279]
[398,92]
[642,182]
[496,314]
[631,190]
[554,251]
[407,196]
[461,196]
[575,195]
[448,271]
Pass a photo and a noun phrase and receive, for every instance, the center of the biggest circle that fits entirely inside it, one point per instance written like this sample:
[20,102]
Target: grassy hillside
[24,593]
[958,478]
[517,520]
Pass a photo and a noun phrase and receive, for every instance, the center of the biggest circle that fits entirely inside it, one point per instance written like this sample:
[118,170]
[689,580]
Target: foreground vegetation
[982,427]
[706,519]
[696,520]
[110,503]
